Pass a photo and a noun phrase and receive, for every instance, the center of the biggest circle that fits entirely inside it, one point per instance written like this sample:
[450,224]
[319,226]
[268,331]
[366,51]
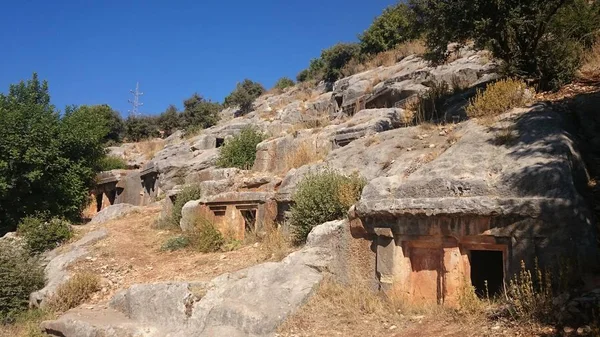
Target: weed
[590,69]
[109,163]
[498,98]
[530,294]
[175,243]
[41,235]
[74,292]
[205,237]
[304,155]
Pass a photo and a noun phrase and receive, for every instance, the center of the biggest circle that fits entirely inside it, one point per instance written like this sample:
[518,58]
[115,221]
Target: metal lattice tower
[134,112]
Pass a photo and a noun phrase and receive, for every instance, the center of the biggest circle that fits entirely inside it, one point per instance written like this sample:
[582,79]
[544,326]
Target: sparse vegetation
[175,243]
[189,193]
[590,70]
[41,235]
[530,294]
[205,238]
[20,275]
[323,196]
[428,107]
[283,83]
[74,292]
[304,155]
[498,98]
[112,163]
[240,151]
[329,66]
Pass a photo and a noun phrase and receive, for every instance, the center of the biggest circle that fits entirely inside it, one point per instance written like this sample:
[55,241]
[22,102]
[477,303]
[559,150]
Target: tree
[395,25]
[200,113]
[109,117]
[170,120]
[526,35]
[329,66]
[139,128]
[284,82]
[47,164]
[244,95]
[240,151]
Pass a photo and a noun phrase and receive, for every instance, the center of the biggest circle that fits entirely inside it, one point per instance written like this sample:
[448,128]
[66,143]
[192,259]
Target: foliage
[323,196]
[74,292]
[498,98]
[109,163]
[244,95]
[104,115]
[303,76]
[140,128]
[329,66]
[47,163]
[189,193]
[41,235]
[397,24]
[240,151]
[535,38]
[590,70]
[428,107]
[175,243]
[205,237]
[199,113]
[284,82]
[20,275]
[530,294]
[169,121]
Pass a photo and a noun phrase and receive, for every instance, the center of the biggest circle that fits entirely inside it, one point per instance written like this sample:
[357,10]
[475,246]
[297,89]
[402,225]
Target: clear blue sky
[93,52]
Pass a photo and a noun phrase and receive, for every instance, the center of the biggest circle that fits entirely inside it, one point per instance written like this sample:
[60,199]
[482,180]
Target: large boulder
[113,212]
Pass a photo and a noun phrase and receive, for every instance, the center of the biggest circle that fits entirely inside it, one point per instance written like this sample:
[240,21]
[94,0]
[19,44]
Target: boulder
[59,259]
[113,212]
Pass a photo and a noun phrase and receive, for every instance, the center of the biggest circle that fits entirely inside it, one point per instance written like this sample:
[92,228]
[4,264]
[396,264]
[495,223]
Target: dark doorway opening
[249,219]
[98,202]
[220,142]
[487,266]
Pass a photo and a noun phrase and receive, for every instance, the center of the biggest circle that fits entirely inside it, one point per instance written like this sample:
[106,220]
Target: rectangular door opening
[487,266]
[249,219]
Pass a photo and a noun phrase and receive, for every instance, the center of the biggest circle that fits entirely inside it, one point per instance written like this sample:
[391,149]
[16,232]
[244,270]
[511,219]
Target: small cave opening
[220,142]
[487,272]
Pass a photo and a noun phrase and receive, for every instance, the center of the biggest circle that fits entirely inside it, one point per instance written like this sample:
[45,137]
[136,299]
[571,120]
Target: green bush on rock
[41,235]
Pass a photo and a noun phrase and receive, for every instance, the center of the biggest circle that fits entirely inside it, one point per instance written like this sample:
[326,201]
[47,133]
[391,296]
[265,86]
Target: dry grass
[373,140]
[275,244]
[75,291]
[590,70]
[27,324]
[499,97]
[386,58]
[303,155]
[150,147]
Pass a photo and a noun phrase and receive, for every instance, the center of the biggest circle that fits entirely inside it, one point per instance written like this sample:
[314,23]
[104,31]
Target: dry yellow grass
[499,97]
[386,58]
[303,155]
[75,291]
[590,70]
[150,147]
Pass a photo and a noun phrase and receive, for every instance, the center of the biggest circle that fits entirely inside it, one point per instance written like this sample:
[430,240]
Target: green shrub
[240,151]
[323,196]
[112,163]
[205,237]
[175,243]
[41,235]
[284,82]
[498,98]
[395,25]
[20,275]
[303,76]
[244,95]
[189,193]
[170,120]
[329,66]
[74,292]
[140,128]
[199,113]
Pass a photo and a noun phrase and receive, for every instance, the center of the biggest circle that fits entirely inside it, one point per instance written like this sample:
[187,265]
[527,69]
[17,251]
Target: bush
[175,243]
[429,107]
[140,128]
[590,70]
[244,95]
[199,113]
[329,66]
[321,197]
[395,25]
[169,121]
[74,292]
[20,275]
[240,151]
[41,235]
[498,98]
[206,238]
[303,76]
[189,193]
[284,82]
[530,294]
[112,163]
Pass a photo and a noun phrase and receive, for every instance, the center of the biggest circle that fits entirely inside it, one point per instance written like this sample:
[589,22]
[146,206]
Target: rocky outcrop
[113,212]
[250,302]
[58,261]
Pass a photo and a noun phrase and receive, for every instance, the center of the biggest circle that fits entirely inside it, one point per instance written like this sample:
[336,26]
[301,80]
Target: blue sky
[93,52]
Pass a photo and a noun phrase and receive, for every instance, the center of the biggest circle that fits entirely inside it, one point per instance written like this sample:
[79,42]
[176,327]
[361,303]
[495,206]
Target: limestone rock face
[113,212]
[58,261]
[250,302]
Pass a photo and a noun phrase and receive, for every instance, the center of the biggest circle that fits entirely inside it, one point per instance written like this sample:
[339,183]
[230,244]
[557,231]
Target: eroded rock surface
[113,212]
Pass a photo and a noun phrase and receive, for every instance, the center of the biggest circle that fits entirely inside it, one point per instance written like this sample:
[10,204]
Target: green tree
[303,76]
[244,95]
[529,36]
[109,117]
[395,25]
[240,151]
[139,128]
[329,66]
[200,113]
[170,120]
[47,164]
[284,82]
